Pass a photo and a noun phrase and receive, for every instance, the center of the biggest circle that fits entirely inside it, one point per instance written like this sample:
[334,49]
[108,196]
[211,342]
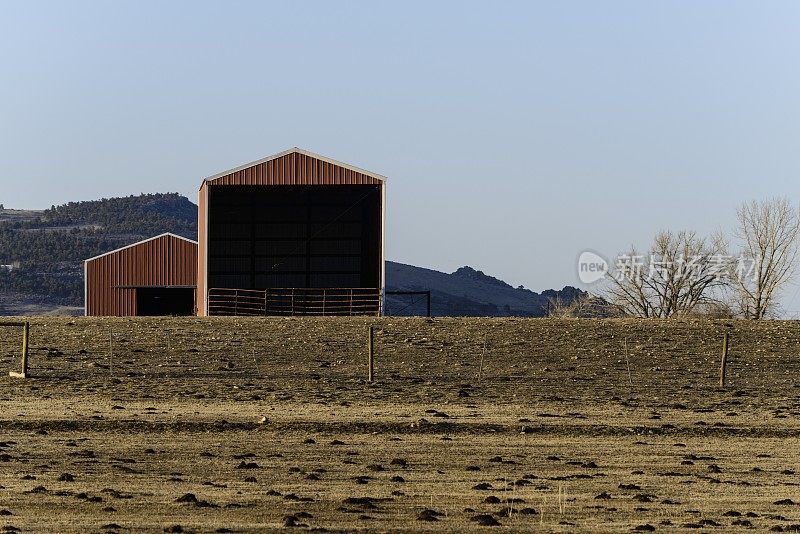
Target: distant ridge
[466,292]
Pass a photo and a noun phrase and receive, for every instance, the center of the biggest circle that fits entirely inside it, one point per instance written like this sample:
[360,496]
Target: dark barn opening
[165,301]
[286,239]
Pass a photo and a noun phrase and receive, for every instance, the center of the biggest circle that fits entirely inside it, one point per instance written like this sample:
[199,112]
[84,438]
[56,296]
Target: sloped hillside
[42,251]
[465,292]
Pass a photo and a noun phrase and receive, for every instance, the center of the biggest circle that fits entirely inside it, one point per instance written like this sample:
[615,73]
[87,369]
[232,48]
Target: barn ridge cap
[296,150]
[159,236]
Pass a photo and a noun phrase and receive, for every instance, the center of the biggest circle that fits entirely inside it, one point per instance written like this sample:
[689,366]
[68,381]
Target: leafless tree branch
[675,277]
[768,234]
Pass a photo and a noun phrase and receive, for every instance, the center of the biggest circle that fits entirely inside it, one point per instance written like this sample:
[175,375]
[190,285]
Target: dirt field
[551,425]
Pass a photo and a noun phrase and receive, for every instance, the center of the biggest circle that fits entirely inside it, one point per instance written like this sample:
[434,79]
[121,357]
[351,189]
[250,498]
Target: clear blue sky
[515,135]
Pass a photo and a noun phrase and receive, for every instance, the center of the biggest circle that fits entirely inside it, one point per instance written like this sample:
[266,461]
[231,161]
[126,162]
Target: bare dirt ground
[536,424]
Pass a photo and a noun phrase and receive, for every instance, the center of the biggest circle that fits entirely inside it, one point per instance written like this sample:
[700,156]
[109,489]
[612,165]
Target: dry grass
[552,428]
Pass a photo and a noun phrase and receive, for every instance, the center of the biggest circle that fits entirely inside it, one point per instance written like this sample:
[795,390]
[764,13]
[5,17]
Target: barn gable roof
[295,150]
[165,234]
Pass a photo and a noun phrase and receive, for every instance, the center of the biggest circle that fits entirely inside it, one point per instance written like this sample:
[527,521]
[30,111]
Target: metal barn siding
[293,168]
[112,279]
[202,226]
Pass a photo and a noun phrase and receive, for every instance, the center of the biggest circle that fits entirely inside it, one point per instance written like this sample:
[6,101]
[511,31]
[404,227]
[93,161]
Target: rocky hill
[465,292]
[41,254]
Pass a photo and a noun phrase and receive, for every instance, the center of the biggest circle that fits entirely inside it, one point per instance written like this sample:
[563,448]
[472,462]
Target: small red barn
[157,276]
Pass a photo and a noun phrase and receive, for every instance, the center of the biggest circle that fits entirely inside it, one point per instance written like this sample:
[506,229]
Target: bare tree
[768,233]
[677,276]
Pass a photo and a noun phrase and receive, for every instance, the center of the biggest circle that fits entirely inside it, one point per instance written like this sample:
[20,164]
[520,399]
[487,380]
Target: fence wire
[525,355]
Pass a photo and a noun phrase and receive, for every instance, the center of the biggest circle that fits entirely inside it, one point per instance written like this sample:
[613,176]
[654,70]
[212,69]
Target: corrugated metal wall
[202,218]
[294,168]
[164,261]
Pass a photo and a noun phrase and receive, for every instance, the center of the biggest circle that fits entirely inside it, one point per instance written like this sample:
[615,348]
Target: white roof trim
[165,234]
[299,151]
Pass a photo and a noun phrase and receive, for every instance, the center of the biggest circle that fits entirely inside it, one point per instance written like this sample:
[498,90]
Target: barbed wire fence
[527,354]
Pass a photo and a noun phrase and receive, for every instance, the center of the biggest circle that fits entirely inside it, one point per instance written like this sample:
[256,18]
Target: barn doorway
[165,301]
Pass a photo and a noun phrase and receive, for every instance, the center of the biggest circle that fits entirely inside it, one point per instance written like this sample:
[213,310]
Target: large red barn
[295,233]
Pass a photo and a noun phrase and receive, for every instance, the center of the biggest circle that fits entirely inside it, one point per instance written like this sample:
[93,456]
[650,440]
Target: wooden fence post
[25,334]
[724,363]
[370,352]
